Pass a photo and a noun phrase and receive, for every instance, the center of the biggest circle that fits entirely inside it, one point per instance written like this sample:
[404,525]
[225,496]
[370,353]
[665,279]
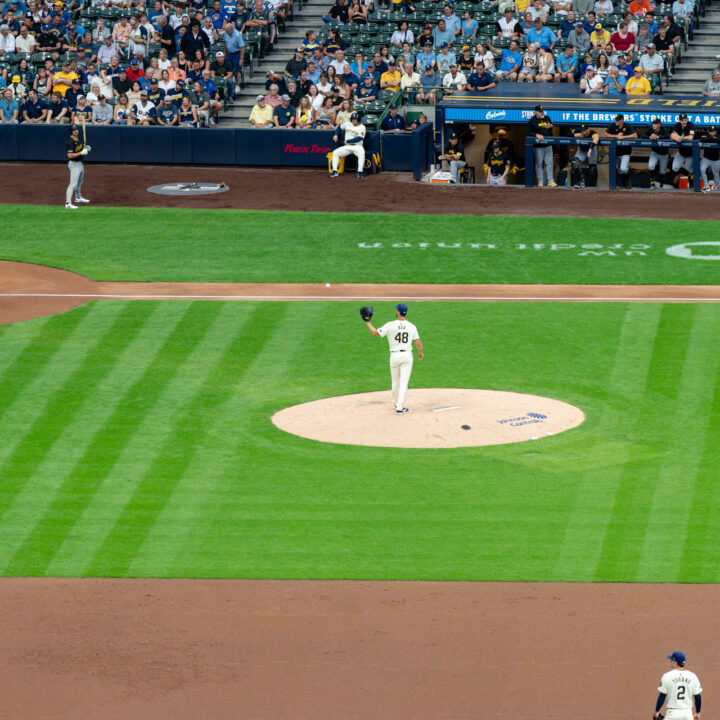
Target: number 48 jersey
[680,686]
[400,334]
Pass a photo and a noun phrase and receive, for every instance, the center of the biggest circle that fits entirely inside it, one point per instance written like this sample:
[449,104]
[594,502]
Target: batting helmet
[355,116]
[73,128]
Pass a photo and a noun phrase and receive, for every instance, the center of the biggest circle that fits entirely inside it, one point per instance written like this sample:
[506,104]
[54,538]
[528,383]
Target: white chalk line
[452,407]
[490,298]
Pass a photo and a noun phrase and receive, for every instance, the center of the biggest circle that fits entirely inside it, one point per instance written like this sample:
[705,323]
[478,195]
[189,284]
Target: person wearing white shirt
[400,335]
[454,80]
[24,42]
[7,41]
[680,691]
[591,83]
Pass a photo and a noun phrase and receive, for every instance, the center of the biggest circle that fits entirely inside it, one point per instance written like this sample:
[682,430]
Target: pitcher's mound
[438,418]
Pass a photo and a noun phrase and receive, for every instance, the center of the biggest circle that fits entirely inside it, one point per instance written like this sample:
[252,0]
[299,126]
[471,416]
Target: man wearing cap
[261,115]
[144,112]
[683,133]
[637,84]
[444,59]
[507,26]
[284,113]
[354,132]
[135,71]
[579,39]
[710,159]
[368,91]
[401,335]
[62,79]
[75,151]
[167,113]
[393,121]
[586,151]
[19,89]
[679,690]
[429,84]
[658,160]
[591,83]
[222,68]
[296,64]
[107,51]
[599,37]
[453,159]
[540,126]
[624,67]
[454,80]
[121,84]
[102,112]
[620,131]
[497,165]
[652,64]
[390,80]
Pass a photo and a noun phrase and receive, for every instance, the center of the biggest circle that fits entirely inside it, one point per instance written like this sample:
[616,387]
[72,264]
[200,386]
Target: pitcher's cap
[402,309]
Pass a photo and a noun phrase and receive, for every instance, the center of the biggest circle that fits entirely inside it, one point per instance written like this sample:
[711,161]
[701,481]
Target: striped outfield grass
[137,442]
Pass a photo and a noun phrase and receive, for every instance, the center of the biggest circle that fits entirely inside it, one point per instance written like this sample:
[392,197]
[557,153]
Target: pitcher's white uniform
[400,335]
[680,686]
[356,149]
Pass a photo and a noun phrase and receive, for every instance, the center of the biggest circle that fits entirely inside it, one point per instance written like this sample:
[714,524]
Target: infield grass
[134,244]
[137,442]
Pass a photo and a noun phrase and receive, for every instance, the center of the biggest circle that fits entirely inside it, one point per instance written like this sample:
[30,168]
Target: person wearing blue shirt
[218,16]
[358,66]
[590,23]
[652,25]
[567,25]
[9,108]
[312,73]
[566,65]
[373,73]
[393,122]
[441,34]
[426,58]
[541,35]
[469,26]
[368,91]
[510,61]
[624,67]
[452,22]
[614,82]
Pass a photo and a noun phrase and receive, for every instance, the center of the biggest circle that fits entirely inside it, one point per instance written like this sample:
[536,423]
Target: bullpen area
[172,548]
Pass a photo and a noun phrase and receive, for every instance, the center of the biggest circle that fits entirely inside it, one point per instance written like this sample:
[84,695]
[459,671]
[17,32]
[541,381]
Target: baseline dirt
[312,189]
[274,650]
[29,291]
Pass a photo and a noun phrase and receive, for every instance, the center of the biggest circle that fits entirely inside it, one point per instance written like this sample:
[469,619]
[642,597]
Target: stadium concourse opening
[476,117]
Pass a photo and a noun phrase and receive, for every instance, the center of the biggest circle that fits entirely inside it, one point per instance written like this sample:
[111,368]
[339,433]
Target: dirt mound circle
[438,418]
[30,291]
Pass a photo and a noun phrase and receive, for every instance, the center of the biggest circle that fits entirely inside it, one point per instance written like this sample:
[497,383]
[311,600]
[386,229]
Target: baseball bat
[83,127]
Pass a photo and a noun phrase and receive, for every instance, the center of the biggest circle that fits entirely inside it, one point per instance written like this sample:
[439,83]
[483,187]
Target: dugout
[510,105]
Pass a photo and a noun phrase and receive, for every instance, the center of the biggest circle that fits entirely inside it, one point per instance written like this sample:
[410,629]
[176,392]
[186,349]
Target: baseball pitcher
[354,137]
[400,335]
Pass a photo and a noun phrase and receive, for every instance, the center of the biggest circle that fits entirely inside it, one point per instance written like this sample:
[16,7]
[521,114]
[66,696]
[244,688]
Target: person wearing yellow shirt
[521,5]
[262,113]
[599,37]
[391,79]
[638,84]
[62,79]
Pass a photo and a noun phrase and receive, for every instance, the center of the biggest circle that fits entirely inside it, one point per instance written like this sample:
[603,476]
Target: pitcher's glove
[366,312]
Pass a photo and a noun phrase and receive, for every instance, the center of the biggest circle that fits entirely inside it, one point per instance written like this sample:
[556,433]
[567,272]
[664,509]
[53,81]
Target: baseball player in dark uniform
[540,126]
[76,150]
[711,159]
[621,131]
[498,165]
[658,160]
[586,152]
[683,133]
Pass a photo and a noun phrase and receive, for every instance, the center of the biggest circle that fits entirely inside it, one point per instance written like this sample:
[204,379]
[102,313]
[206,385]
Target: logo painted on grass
[685,251]
[527,419]
[581,249]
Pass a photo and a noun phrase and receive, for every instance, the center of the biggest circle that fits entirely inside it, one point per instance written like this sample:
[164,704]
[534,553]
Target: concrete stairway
[699,59]
[307,17]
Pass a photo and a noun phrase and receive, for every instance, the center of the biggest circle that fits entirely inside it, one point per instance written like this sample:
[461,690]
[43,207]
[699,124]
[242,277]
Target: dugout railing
[612,145]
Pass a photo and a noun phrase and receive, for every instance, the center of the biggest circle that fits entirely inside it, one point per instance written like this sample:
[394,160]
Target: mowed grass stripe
[626,526]
[581,545]
[688,421]
[38,493]
[700,546]
[172,460]
[230,440]
[67,400]
[103,449]
[39,336]
[155,426]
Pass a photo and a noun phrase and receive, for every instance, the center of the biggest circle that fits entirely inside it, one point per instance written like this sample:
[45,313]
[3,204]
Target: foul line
[476,298]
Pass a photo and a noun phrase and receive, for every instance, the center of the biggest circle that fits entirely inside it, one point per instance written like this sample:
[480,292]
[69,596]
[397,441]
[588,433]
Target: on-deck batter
[681,690]
[400,335]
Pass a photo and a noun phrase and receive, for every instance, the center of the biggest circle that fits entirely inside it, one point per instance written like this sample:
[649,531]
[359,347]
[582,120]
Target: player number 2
[681,692]
[401,337]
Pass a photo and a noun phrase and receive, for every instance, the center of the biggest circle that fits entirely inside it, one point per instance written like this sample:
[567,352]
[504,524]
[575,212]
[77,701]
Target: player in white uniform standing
[400,335]
[354,138]
[681,690]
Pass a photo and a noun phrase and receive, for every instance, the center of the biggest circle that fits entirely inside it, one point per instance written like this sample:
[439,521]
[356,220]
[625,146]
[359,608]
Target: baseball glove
[366,312]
